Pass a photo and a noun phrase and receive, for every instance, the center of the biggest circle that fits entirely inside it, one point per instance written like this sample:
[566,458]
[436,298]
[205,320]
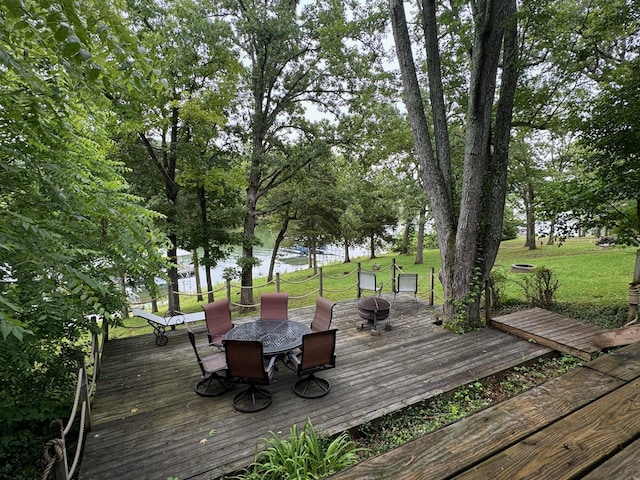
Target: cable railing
[55,451]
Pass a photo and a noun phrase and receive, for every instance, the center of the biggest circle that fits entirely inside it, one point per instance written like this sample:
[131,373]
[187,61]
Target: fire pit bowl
[373,309]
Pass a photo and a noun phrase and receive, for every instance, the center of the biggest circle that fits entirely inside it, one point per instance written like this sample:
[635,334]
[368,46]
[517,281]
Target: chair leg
[312,387]
[259,399]
[213,386]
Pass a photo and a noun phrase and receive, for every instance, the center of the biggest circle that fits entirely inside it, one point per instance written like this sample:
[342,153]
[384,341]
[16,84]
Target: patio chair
[318,353]
[406,283]
[274,306]
[323,315]
[217,316]
[367,281]
[213,382]
[245,365]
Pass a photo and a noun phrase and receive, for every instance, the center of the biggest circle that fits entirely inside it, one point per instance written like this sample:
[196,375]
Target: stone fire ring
[522,268]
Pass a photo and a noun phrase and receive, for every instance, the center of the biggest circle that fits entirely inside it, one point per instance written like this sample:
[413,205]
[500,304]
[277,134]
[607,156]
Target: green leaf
[62,33]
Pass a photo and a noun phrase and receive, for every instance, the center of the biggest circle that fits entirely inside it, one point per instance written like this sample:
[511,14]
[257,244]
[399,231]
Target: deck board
[553,330]
[584,424]
[148,423]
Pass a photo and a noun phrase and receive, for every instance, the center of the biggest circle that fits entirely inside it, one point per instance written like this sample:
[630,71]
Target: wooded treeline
[132,128]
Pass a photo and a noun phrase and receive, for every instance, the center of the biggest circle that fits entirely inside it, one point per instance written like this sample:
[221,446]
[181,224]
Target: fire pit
[373,309]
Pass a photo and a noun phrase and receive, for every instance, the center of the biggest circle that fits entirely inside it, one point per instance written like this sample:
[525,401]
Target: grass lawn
[593,281]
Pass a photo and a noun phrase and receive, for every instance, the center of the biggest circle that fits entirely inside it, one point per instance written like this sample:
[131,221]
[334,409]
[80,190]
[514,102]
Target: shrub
[539,287]
[304,456]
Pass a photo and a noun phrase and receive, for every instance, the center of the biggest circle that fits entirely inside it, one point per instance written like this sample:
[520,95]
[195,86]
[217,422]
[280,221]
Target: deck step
[552,330]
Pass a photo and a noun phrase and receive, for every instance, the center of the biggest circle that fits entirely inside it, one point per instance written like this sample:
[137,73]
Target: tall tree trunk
[196,273]
[552,233]
[468,241]
[248,240]
[206,255]
[174,287]
[276,246]
[404,249]
[347,258]
[422,220]
[372,246]
[530,240]
[313,255]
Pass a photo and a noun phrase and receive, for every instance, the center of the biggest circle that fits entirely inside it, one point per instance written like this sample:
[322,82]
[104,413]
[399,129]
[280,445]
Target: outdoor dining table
[277,336]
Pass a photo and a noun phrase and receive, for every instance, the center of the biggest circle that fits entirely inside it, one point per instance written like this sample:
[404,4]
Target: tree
[469,233]
[70,225]
[176,125]
[297,55]
[610,190]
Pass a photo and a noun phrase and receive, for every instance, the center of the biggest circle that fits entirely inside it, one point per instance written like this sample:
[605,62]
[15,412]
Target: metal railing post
[320,281]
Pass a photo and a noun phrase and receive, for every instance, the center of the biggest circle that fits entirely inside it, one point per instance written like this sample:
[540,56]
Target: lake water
[287,261]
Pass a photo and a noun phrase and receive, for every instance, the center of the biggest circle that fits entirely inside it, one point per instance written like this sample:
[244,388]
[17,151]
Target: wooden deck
[149,424]
[553,330]
[584,424]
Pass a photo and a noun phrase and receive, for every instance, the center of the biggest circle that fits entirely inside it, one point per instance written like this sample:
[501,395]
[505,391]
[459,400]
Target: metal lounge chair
[367,281]
[217,316]
[245,365]
[406,283]
[160,324]
[274,306]
[318,353]
[323,315]
[214,382]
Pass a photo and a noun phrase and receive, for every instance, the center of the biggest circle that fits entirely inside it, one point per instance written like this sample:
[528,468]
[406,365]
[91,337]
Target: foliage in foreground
[305,456]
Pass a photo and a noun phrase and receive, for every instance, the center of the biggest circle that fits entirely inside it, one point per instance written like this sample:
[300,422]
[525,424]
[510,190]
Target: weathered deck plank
[459,446]
[563,429]
[572,447]
[148,423]
[552,330]
[623,465]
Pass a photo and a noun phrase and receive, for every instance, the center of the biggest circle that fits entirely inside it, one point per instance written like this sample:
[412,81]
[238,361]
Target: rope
[76,459]
[245,306]
[220,289]
[305,295]
[350,287]
[282,280]
[75,403]
[331,277]
[58,455]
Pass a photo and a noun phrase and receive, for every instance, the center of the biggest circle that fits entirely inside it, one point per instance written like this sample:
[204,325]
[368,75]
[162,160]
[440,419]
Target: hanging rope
[296,297]
[52,452]
[282,280]
[350,287]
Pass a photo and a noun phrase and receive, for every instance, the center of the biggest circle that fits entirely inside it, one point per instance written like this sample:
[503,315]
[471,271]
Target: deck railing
[231,287]
[55,451]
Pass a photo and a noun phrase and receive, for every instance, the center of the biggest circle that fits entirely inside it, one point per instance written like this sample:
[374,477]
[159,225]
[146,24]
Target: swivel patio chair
[217,316]
[213,367]
[318,353]
[367,281]
[245,365]
[406,283]
[274,306]
[323,315]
